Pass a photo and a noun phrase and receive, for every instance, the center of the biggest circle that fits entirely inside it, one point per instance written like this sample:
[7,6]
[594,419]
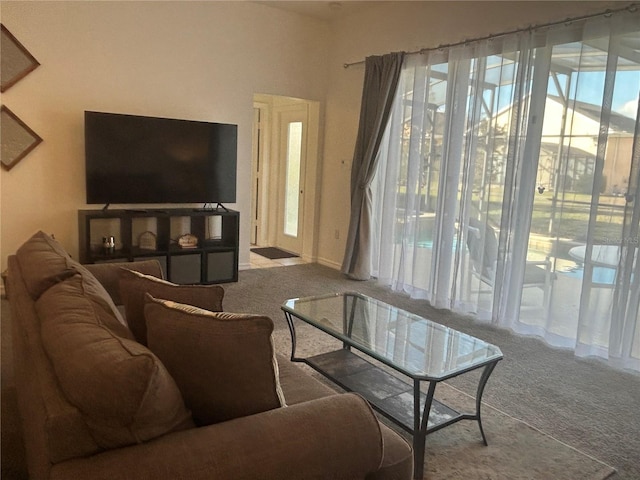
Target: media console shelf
[154,233]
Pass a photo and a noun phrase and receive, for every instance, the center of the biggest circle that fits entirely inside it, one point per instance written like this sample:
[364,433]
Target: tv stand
[153,233]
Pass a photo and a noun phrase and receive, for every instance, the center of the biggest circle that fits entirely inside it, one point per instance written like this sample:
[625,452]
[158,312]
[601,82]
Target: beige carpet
[516,450]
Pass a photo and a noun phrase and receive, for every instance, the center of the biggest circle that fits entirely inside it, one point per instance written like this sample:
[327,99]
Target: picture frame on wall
[16,138]
[16,62]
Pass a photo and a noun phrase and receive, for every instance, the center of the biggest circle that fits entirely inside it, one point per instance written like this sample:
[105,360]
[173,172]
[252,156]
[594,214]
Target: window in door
[292,183]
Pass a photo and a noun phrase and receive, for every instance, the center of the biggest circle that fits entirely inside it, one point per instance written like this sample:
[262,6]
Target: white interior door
[292,156]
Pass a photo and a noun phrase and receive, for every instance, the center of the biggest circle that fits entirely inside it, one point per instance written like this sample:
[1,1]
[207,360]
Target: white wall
[402,26]
[193,60]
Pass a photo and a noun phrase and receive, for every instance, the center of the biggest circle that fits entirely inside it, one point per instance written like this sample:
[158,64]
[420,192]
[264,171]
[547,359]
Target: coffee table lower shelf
[388,394]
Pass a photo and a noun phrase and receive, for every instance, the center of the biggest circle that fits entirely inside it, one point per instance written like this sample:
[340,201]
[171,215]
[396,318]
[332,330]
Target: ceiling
[321,10]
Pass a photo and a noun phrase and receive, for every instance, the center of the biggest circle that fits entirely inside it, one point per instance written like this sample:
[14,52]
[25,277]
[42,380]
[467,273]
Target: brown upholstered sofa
[97,404]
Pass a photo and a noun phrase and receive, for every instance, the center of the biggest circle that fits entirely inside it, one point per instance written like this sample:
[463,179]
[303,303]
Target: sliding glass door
[507,184]
[585,216]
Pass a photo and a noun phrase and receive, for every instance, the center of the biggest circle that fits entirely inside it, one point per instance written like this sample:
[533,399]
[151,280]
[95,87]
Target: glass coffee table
[392,341]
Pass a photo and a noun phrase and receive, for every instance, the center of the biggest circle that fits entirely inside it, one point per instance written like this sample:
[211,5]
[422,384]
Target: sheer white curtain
[508,166]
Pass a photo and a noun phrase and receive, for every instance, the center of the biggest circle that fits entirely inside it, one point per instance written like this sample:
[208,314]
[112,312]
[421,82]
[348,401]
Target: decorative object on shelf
[147,241]
[109,244]
[188,241]
[16,61]
[16,138]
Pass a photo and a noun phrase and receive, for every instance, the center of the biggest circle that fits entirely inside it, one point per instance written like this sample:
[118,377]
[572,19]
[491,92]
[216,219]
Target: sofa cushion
[298,387]
[74,296]
[123,391]
[134,285]
[223,363]
[94,289]
[44,263]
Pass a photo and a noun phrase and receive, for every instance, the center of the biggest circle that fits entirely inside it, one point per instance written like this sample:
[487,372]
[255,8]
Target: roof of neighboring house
[617,122]
[550,148]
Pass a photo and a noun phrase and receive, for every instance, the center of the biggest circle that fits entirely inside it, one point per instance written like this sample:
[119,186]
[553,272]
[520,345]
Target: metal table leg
[483,382]
[420,426]
[292,330]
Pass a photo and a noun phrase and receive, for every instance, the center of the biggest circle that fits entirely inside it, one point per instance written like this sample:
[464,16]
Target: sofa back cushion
[134,285]
[44,263]
[123,392]
[223,363]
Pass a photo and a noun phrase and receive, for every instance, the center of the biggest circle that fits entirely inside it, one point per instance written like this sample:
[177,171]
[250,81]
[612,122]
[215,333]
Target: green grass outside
[570,223]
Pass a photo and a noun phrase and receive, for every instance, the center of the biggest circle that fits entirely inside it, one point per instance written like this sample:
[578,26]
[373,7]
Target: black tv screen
[146,160]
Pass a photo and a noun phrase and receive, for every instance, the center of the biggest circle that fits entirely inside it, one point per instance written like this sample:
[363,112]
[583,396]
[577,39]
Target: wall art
[15,60]
[16,138]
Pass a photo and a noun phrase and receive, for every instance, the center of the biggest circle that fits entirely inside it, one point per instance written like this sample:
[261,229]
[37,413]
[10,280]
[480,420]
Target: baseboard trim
[329,263]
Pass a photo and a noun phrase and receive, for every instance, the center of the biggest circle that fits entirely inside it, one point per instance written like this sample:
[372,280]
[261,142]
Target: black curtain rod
[607,13]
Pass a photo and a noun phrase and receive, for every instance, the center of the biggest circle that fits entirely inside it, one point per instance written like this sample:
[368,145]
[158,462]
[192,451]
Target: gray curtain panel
[380,82]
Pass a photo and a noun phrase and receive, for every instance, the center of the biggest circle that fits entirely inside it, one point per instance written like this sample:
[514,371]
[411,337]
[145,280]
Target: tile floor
[258,261]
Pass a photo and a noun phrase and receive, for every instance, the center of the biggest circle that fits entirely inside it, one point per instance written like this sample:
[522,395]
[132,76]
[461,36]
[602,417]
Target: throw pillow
[134,285]
[223,363]
[124,393]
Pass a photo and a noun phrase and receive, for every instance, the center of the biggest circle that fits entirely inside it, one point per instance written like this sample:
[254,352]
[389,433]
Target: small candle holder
[109,244]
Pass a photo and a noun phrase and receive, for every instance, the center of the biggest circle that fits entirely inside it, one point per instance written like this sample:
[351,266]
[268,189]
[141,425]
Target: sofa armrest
[107,274]
[334,437]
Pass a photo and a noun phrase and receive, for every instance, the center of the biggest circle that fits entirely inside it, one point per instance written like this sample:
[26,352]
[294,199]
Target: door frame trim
[261,176]
[311,182]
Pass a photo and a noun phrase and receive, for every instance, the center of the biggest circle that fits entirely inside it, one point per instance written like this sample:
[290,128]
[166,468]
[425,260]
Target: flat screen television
[134,159]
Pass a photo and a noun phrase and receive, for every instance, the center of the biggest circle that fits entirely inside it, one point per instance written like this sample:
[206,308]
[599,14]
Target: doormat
[273,253]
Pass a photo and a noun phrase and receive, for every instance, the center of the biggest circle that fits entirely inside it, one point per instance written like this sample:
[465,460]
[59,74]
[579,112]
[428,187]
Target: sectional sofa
[187,393]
